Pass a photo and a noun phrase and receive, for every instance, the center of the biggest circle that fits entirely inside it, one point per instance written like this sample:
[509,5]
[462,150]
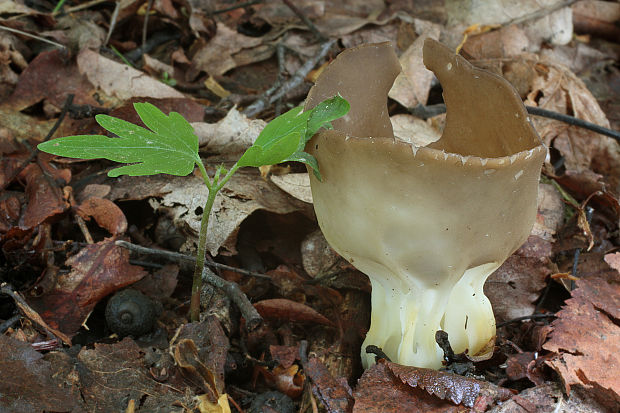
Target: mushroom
[427,224]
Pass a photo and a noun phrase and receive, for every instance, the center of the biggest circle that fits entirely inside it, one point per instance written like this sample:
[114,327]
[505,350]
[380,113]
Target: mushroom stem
[413,313]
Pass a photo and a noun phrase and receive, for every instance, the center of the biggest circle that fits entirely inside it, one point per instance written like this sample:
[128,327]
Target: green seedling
[171,147]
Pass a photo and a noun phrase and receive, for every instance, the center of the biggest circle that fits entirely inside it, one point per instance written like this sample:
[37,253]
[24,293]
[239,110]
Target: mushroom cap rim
[431,154]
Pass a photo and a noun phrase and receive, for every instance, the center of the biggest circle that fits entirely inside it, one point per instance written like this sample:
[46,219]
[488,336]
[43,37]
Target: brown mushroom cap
[463,201]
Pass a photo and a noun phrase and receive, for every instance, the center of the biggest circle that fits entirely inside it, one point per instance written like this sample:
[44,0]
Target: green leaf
[309,160]
[170,146]
[275,152]
[285,137]
[325,112]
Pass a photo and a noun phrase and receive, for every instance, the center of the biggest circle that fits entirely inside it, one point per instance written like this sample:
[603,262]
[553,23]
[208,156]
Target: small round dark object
[279,402]
[131,313]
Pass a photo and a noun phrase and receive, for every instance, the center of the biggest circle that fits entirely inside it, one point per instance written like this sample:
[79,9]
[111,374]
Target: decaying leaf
[29,383]
[283,309]
[449,386]
[586,337]
[96,271]
[105,212]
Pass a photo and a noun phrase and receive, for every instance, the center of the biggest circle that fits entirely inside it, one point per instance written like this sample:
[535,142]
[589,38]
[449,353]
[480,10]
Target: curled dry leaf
[586,337]
[105,212]
[96,271]
[289,381]
[379,391]
[45,199]
[448,386]
[283,309]
[336,395]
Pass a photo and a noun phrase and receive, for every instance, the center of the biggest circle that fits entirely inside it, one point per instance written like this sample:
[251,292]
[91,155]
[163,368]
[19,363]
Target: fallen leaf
[96,271]
[113,374]
[380,391]
[283,309]
[107,214]
[232,134]
[411,87]
[586,337]
[448,386]
[289,381]
[216,56]
[336,395]
[120,80]
[29,383]
[50,76]
[44,197]
[285,355]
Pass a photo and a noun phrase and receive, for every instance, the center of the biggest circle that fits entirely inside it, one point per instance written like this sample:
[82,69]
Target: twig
[526,317]
[570,120]
[232,290]
[425,112]
[377,351]
[6,324]
[292,83]
[306,21]
[113,19]
[146,23]
[33,36]
[35,151]
[28,312]
[539,13]
[177,256]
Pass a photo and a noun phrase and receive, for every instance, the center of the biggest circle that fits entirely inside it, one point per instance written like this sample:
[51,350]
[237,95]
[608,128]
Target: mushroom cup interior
[427,224]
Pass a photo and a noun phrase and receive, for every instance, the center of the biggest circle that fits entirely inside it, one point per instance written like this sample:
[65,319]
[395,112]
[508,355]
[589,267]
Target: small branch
[306,20]
[31,314]
[292,83]
[425,112]
[526,317]
[177,256]
[33,36]
[232,290]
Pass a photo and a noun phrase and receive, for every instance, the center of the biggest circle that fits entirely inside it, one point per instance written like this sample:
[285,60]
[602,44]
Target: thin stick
[292,83]
[425,112]
[232,290]
[34,36]
[306,20]
[177,256]
[526,317]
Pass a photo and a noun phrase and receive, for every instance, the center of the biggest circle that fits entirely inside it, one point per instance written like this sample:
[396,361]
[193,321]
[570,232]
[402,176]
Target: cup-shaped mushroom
[427,224]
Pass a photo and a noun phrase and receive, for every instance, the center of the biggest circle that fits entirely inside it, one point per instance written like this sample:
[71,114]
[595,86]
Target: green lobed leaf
[170,147]
[285,137]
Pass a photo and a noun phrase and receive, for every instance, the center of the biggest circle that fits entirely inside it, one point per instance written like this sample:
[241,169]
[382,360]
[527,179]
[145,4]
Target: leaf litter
[197,366]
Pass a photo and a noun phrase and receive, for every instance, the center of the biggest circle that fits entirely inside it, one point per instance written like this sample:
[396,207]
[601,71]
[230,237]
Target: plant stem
[194,305]
[214,187]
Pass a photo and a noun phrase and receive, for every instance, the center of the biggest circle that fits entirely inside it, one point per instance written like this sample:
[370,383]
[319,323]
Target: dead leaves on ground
[217,62]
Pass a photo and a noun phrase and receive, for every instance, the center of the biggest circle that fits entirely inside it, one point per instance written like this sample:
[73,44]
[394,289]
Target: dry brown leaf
[379,391]
[113,374]
[336,395]
[45,198]
[283,309]
[216,56]
[96,271]
[51,77]
[412,85]
[120,80]
[29,383]
[105,212]
[586,337]
[184,198]
[448,386]
[232,134]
